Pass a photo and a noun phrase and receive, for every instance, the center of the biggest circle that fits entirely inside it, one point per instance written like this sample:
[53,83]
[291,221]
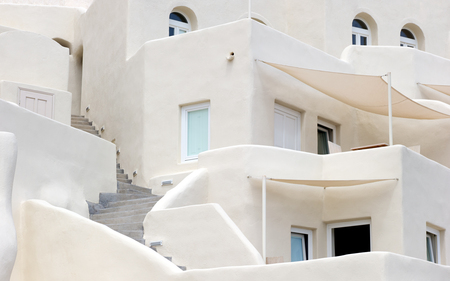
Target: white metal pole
[264,218]
[249,9]
[391,138]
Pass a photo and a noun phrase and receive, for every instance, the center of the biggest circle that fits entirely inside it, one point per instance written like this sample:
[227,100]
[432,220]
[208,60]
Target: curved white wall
[33,59]
[200,236]
[8,242]
[56,162]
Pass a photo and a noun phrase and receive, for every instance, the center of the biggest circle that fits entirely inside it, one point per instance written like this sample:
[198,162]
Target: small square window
[301,244]
[194,130]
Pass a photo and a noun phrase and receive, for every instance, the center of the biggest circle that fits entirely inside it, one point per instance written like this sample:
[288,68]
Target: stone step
[150,199]
[119,220]
[126,213]
[126,186]
[81,122]
[148,205]
[126,226]
[118,165]
[135,234]
[84,127]
[124,180]
[106,198]
[182,267]
[78,118]
[122,176]
[119,171]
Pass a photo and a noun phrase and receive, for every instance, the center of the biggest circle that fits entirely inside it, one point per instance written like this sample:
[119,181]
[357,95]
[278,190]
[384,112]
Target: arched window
[360,33]
[178,24]
[407,39]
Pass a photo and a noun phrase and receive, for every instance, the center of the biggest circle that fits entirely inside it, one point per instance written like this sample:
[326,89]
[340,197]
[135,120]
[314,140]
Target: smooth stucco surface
[8,242]
[56,244]
[56,162]
[33,59]
[209,237]
[399,208]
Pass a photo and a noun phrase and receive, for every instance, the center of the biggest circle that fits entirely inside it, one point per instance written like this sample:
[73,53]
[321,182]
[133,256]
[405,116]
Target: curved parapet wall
[192,190]
[57,163]
[8,242]
[209,237]
[56,244]
[33,59]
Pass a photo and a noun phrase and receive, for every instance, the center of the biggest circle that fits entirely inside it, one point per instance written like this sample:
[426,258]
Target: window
[348,238]
[194,130]
[433,245]
[360,33]
[301,244]
[178,24]
[407,39]
[326,132]
[286,128]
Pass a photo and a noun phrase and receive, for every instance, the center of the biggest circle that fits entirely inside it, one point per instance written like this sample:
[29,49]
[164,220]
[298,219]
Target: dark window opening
[178,17]
[351,240]
[359,24]
[324,135]
[407,34]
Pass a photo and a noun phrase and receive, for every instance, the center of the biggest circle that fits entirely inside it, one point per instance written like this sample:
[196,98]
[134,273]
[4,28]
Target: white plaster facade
[117,59]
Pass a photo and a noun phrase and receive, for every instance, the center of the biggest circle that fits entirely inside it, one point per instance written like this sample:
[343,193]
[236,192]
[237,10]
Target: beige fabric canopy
[329,183]
[365,92]
[441,88]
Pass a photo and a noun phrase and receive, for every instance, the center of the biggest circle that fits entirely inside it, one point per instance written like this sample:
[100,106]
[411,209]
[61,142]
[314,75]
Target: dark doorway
[351,239]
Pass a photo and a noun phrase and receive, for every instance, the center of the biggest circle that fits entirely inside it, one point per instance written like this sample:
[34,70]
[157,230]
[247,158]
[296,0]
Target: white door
[38,102]
[286,128]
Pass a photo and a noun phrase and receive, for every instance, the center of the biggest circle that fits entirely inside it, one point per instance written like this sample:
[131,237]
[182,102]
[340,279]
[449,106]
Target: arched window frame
[178,26]
[408,42]
[357,33]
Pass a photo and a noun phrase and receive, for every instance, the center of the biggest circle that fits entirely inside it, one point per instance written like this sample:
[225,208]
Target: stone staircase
[82,123]
[125,210]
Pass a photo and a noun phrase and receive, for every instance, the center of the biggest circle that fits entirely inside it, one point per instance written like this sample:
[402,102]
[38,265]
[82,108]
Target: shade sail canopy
[365,92]
[441,88]
[329,183]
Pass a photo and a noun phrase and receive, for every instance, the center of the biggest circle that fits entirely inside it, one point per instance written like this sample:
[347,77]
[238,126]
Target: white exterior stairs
[125,210]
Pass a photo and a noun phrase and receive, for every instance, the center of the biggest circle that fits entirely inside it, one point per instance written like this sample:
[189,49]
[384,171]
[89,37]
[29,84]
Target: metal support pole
[264,218]
[391,138]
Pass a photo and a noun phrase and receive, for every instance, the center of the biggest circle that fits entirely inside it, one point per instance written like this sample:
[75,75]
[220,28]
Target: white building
[232,120]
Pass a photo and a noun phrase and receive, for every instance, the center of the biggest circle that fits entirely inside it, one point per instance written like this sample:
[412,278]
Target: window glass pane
[322,142]
[181,31]
[353,39]
[359,24]
[178,17]
[430,256]
[171,31]
[363,41]
[197,139]
[290,132]
[298,251]
[406,33]
[279,130]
